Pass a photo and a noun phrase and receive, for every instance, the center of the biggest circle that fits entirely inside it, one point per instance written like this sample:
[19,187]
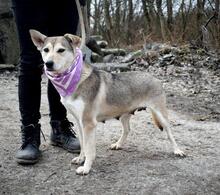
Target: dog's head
[57,53]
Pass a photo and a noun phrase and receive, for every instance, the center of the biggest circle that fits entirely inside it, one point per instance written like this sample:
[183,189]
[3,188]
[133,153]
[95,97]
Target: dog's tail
[156,121]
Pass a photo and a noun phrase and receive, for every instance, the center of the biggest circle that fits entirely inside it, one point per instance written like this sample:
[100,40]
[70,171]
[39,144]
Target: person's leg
[29,15]
[63,19]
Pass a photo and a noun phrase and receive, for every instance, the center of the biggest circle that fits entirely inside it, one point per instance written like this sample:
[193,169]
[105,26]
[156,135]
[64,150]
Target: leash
[82,25]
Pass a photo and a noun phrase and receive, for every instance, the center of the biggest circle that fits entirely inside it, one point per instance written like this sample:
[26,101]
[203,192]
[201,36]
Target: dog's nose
[49,64]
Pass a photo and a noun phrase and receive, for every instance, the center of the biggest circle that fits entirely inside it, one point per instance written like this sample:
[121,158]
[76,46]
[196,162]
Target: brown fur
[100,96]
[156,121]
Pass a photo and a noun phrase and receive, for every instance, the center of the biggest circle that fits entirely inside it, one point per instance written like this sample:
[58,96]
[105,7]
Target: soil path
[145,165]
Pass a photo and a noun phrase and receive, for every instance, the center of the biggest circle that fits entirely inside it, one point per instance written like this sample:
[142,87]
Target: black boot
[29,152]
[62,135]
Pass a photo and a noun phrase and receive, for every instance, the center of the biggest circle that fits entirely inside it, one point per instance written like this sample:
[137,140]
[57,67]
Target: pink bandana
[66,82]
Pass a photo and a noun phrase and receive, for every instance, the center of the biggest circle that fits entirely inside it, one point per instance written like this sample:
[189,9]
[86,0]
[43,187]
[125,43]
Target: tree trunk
[217,9]
[183,18]
[96,18]
[89,2]
[217,22]
[129,20]
[199,15]
[118,17]
[108,20]
[161,18]
[147,16]
[170,15]
[152,14]
[86,22]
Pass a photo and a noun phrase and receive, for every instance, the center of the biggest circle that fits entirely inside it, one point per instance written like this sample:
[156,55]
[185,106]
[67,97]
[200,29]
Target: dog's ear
[37,38]
[73,39]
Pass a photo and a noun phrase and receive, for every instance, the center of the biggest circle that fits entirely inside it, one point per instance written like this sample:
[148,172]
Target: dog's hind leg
[159,113]
[126,128]
[89,146]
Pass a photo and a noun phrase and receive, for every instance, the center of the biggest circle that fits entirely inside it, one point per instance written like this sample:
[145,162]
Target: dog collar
[66,82]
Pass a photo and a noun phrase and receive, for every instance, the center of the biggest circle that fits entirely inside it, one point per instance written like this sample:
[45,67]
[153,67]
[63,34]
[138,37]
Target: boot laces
[29,135]
[68,128]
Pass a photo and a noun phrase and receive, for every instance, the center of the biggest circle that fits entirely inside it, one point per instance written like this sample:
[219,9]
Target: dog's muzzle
[49,65]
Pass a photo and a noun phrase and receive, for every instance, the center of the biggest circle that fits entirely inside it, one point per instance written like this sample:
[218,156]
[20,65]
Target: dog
[98,95]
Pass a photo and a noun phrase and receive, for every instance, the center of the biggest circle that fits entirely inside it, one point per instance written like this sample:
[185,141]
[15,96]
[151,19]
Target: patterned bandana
[66,82]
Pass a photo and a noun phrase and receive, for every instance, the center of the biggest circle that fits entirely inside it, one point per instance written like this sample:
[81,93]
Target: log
[97,37]
[115,51]
[96,57]
[7,67]
[102,44]
[113,66]
[131,56]
[92,44]
[108,58]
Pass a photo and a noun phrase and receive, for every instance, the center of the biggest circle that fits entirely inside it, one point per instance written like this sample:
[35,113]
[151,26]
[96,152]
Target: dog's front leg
[79,159]
[89,146]
[76,108]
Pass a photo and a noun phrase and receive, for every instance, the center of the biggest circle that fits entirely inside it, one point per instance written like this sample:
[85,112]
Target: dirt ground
[145,165]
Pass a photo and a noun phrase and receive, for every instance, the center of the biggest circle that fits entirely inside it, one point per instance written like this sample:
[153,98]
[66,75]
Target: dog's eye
[46,50]
[60,50]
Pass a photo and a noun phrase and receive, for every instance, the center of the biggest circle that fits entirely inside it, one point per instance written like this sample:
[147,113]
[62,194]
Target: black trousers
[52,18]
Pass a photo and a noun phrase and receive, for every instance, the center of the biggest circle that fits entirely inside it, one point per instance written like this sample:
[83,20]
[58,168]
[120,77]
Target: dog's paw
[78,160]
[82,170]
[115,146]
[179,153]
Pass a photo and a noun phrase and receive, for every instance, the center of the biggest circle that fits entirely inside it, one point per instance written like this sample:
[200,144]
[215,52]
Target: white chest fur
[74,106]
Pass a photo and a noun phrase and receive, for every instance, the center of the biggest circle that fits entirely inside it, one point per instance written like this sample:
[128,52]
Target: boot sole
[26,162]
[65,148]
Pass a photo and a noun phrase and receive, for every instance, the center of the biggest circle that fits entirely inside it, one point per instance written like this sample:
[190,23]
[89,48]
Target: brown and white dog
[101,95]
